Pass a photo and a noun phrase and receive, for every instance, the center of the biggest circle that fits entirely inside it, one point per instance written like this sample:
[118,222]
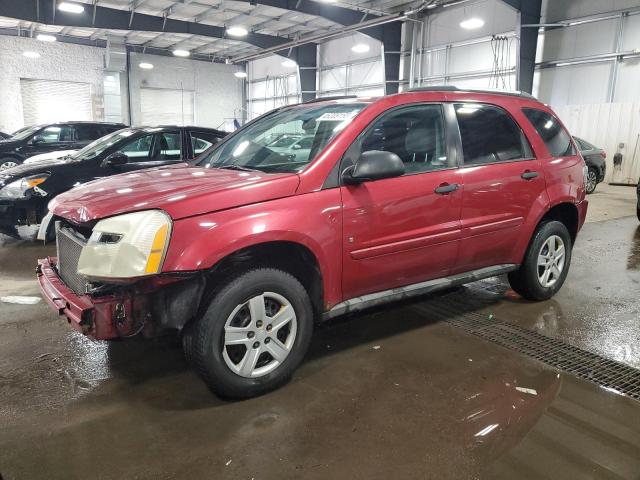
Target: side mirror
[374,165]
[115,159]
[37,141]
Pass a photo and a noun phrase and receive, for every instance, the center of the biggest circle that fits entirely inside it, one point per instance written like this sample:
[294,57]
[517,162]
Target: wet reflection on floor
[391,393]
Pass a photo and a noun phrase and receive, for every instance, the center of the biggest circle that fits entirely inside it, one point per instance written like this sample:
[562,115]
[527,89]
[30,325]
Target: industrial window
[489,135]
[554,136]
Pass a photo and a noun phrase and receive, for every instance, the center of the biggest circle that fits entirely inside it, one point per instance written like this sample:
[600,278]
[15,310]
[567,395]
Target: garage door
[161,106]
[46,101]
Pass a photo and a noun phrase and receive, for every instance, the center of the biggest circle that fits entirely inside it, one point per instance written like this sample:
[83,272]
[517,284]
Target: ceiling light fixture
[237,31]
[181,53]
[146,66]
[472,23]
[289,63]
[45,38]
[29,54]
[241,74]
[70,7]
[360,48]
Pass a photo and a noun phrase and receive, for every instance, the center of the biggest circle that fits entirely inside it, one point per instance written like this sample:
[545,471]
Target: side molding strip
[395,294]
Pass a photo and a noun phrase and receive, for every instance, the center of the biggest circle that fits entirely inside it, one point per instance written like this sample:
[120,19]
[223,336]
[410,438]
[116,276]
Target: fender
[200,242]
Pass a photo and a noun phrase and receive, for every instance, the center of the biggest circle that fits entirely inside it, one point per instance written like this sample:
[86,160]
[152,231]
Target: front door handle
[529,175]
[446,188]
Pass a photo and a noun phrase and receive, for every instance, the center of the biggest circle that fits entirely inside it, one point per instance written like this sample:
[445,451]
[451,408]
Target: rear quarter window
[554,136]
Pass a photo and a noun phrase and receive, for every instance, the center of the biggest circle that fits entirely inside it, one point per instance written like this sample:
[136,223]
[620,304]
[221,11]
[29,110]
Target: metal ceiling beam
[529,13]
[115,19]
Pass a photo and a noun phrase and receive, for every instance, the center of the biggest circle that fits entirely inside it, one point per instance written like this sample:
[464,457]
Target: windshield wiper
[237,167]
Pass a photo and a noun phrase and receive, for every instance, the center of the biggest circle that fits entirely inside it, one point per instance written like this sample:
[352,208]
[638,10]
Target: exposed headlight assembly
[20,188]
[126,246]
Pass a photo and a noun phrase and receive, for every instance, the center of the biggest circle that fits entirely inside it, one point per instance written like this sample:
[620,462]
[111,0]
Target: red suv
[242,249]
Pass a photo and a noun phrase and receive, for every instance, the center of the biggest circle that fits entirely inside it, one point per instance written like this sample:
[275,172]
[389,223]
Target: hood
[28,169]
[181,191]
[8,144]
[49,156]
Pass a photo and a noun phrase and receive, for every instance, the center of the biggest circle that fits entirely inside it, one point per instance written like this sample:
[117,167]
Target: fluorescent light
[45,38]
[289,63]
[181,53]
[360,48]
[472,23]
[146,66]
[241,74]
[70,7]
[31,54]
[237,31]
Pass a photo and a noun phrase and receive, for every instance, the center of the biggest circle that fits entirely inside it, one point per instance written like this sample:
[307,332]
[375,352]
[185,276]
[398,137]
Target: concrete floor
[391,393]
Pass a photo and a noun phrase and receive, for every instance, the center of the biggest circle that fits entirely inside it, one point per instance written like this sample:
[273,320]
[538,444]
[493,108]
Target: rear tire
[592,180]
[544,268]
[253,335]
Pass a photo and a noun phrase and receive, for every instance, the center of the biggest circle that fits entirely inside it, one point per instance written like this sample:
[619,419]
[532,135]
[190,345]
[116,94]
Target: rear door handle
[528,175]
[446,188]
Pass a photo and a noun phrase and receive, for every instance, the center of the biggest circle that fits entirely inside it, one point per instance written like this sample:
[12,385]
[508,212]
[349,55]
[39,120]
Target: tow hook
[120,314]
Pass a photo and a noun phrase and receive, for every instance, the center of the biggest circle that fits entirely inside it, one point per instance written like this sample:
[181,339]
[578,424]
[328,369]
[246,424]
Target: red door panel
[496,202]
[398,231]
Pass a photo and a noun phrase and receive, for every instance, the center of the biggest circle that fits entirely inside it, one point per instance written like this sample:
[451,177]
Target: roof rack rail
[451,88]
[327,99]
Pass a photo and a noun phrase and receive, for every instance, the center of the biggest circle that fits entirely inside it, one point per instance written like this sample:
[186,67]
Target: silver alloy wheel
[8,164]
[592,181]
[551,261]
[259,335]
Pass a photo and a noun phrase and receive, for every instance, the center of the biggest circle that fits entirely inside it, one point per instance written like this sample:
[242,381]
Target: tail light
[603,154]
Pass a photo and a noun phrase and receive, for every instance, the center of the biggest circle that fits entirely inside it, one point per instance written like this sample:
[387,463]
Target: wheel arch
[292,257]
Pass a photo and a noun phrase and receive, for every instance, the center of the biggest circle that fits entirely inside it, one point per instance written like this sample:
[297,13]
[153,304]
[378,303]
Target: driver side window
[54,134]
[415,133]
[139,150]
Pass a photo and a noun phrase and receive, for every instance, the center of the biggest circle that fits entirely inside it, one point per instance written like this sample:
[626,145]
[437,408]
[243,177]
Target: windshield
[25,132]
[250,149]
[98,146]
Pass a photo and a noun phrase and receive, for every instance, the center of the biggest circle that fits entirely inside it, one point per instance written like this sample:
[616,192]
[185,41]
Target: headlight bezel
[127,246]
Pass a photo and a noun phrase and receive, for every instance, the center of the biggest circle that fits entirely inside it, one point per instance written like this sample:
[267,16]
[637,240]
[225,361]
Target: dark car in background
[594,157]
[26,190]
[30,141]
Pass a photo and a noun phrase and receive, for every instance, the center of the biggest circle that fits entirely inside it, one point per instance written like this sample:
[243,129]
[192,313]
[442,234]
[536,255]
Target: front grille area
[69,246]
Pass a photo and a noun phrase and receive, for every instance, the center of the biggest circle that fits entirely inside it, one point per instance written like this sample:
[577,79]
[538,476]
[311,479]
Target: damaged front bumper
[102,318]
[157,304]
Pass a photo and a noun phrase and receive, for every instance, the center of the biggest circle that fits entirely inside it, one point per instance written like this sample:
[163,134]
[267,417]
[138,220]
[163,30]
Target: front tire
[8,162]
[546,263]
[592,180]
[253,335]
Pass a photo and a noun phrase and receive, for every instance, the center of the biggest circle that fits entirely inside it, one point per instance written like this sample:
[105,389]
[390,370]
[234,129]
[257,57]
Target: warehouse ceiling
[262,19]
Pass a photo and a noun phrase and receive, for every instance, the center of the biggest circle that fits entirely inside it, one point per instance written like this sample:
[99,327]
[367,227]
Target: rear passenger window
[490,135]
[415,134]
[554,136]
[88,133]
[200,141]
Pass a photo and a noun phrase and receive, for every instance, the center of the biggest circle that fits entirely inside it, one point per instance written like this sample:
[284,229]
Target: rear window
[557,140]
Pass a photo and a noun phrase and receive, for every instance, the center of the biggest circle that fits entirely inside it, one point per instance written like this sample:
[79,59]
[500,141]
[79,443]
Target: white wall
[218,93]
[271,85]
[58,61]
